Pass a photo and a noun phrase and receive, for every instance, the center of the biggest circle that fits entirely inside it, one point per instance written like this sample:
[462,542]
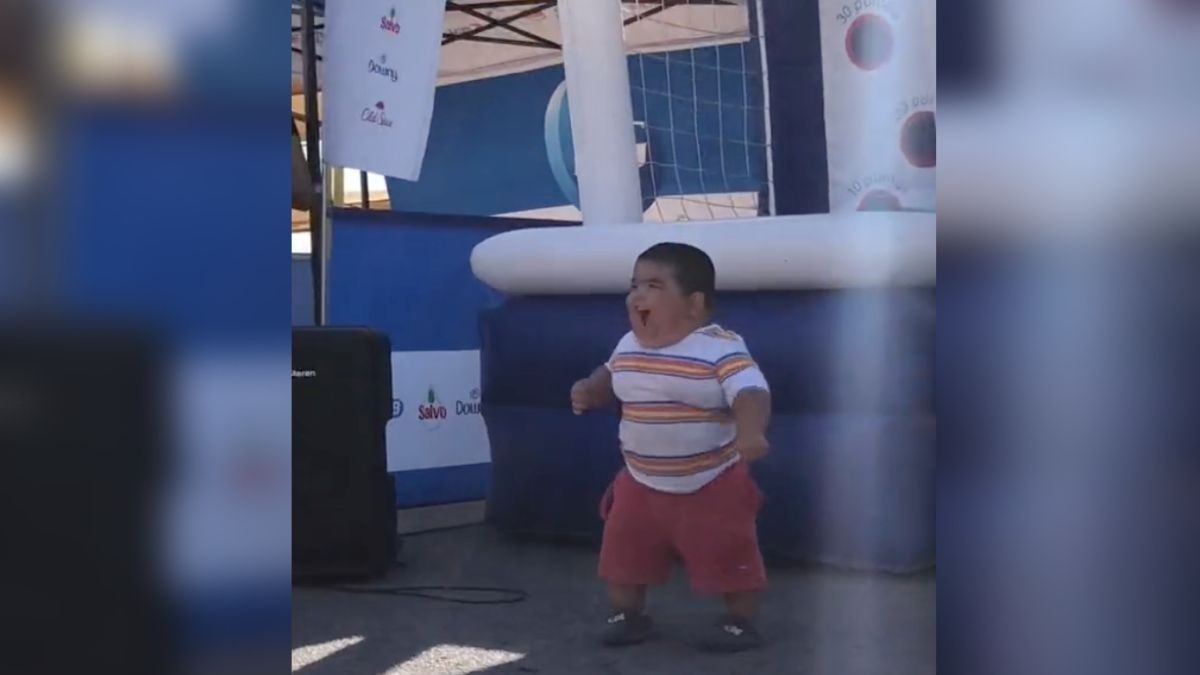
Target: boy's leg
[743,604]
[717,534]
[635,553]
[627,598]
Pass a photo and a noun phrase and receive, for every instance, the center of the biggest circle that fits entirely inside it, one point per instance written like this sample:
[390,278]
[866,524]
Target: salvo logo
[432,413]
[382,69]
[376,114]
[870,39]
[388,23]
[471,407]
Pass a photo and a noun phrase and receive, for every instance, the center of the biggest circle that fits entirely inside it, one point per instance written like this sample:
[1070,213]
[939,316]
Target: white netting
[701,106]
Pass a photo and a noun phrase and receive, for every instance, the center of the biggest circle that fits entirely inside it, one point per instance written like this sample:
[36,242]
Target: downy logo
[381,67]
[388,22]
[431,412]
[471,407]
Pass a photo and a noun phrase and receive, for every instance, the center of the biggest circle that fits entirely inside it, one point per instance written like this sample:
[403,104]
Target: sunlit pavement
[815,620]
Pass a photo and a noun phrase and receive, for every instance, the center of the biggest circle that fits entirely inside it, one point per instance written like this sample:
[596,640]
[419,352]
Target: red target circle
[869,41]
[879,200]
[918,139]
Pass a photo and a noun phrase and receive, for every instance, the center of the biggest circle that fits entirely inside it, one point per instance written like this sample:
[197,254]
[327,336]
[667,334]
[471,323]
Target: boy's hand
[582,398]
[594,391]
[751,414]
[752,447]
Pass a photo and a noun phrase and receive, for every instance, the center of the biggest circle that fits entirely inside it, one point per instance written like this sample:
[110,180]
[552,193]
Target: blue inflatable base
[850,480]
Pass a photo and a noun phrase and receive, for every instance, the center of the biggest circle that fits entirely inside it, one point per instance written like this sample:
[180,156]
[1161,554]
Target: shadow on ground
[816,620]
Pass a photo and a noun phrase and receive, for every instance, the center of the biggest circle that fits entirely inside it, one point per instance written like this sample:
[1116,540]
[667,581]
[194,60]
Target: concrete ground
[816,620]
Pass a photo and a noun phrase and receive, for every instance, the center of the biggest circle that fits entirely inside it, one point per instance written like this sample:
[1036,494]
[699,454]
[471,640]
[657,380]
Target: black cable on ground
[442,528]
[507,596]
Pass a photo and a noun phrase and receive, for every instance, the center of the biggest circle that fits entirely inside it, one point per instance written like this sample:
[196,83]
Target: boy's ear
[696,304]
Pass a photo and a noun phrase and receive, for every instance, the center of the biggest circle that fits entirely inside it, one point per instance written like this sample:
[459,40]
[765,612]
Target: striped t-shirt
[677,426]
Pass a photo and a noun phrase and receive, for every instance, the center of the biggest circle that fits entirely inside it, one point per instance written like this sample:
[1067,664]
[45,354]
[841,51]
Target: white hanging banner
[879,68]
[381,65]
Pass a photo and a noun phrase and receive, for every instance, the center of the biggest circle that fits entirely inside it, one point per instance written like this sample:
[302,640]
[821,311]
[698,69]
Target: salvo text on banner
[381,63]
[437,416]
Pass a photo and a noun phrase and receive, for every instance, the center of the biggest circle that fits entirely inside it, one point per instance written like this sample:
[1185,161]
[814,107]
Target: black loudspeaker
[343,499]
[83,412]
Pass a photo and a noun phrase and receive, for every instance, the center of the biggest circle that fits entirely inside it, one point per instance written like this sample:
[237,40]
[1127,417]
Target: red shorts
[713,532]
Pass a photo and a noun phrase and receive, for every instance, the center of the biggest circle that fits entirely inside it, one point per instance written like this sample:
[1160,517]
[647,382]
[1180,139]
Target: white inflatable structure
[783,253]
[779,253]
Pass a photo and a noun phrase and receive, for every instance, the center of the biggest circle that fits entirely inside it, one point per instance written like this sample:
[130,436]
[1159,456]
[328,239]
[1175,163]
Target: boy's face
[659,311]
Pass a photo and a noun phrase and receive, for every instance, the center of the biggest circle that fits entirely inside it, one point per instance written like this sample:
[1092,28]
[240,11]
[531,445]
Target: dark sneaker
[626,629]
[731,634]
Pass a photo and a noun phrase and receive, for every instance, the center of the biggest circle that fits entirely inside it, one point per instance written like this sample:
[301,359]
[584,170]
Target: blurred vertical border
[145,170]
[1068,377]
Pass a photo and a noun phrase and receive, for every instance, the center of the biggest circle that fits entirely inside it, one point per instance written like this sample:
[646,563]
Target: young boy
[695,409]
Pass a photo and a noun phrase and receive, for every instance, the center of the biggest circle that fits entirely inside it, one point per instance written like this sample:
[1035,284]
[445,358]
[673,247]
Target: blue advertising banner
[409,276]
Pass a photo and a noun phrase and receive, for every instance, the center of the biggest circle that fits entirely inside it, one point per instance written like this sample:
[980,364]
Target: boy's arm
[751,415]
[600,383]
[749,398]
[593,391]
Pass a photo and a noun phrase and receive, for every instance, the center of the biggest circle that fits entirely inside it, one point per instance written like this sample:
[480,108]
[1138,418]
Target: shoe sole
[630,642]
[728,648]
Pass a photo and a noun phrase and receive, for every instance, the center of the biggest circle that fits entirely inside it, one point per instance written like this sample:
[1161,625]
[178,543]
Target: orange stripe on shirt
[680,466]
[663,365]
[732,365]
[670,412]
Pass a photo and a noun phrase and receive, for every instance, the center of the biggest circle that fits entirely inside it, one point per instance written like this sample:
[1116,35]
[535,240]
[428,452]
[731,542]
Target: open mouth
[643,316]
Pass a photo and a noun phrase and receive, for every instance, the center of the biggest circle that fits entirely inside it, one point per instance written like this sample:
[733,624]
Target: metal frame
[530,39]
[312,123]
[490,22]
[535,6]
[756,19]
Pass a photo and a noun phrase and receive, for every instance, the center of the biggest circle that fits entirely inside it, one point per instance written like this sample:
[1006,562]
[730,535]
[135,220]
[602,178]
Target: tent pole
[312,131]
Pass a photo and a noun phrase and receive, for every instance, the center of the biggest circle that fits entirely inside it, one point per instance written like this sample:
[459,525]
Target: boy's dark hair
[694,270]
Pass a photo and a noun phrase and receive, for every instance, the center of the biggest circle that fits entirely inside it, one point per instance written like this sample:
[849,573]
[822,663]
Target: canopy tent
[488,38]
